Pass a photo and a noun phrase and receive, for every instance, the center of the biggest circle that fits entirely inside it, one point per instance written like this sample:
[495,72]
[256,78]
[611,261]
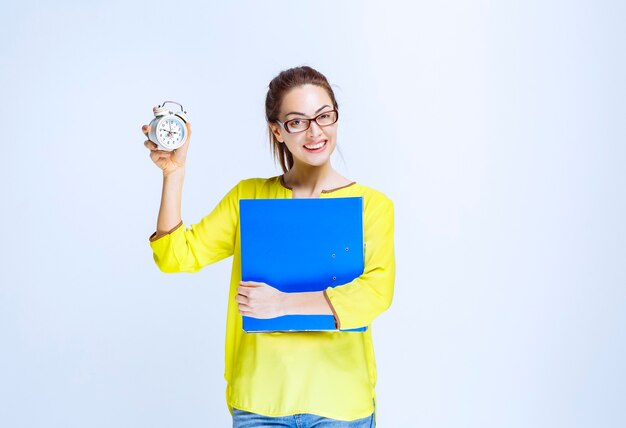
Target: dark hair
[278,87]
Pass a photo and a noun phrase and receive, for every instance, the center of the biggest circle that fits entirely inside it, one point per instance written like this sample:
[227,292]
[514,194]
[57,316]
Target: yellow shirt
[331,374]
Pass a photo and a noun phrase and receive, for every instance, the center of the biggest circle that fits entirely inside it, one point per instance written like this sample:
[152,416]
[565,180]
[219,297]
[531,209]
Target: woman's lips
[319,149]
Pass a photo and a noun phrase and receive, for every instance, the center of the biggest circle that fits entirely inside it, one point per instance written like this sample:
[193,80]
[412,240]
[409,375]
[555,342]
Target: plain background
[496,127]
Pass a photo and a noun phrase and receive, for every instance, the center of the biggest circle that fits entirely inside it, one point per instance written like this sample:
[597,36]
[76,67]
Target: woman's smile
[317,147]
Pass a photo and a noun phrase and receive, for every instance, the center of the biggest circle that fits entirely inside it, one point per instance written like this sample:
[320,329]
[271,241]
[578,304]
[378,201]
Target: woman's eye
[295,123]
[325,116]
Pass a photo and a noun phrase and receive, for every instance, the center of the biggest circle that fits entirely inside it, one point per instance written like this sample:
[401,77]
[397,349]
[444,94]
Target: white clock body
[168,129]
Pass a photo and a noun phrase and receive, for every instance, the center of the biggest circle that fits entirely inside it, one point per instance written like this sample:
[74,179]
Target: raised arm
[172,163]
[180,249]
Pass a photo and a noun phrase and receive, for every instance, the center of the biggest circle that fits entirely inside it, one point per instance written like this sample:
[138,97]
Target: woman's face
[306,102]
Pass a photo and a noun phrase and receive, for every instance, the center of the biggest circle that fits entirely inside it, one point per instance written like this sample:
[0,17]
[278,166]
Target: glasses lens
[327,118]
[297,125]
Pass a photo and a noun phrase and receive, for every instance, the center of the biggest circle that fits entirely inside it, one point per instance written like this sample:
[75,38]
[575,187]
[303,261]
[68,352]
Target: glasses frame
[284,124]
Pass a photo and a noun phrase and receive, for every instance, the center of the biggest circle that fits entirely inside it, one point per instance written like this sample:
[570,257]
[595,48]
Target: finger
[157,155]
[241,299]
[163,152]
[251,283]
[145,129]
[150,145]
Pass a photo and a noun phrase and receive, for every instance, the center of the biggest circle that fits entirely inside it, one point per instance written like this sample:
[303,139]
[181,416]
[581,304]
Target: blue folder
[298,245]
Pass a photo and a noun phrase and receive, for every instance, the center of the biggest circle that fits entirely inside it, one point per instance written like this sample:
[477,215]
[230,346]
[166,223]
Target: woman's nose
[314,129]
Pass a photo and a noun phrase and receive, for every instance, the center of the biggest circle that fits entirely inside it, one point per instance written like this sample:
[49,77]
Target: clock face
[171,132]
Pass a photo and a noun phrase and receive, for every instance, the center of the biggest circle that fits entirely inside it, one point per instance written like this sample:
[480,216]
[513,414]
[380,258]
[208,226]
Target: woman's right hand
[168,161]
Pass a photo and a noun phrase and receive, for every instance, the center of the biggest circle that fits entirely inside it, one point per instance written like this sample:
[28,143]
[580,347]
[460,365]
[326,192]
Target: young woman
[321,379]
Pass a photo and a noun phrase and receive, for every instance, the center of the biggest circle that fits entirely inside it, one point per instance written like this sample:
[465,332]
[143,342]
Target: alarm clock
[168,129]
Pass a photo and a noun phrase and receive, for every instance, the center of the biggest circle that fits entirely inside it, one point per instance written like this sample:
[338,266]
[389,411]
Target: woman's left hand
[259,300]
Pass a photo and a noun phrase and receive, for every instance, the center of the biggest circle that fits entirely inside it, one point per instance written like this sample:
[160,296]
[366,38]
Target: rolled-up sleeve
[358,302]
[212,239]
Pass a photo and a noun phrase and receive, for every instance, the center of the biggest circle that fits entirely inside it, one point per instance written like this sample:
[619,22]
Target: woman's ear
[275,129]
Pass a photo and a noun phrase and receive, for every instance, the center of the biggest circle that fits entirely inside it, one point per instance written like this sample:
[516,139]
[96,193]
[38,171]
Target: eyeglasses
[300,125]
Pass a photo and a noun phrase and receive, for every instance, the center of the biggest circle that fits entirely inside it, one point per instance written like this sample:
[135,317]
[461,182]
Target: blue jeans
[243,419]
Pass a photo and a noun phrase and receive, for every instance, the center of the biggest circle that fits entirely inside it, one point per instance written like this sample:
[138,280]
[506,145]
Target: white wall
[496,127]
